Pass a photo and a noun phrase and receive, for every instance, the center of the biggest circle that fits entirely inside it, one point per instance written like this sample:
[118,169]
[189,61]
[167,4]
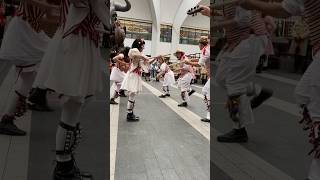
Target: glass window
[137,28]
[165,33]
[191,35]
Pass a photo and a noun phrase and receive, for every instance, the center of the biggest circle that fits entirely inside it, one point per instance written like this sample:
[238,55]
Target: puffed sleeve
[294,7]
[242,16]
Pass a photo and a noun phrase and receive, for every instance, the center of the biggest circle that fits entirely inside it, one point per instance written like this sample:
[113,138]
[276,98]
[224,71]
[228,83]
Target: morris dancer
[132,81]
[185,78]
[118,73]
[271,27]
[167,77]
[71,67]
[205,62]
[23,46]
[236,68]
[262,27]
[37,100]
[308,89]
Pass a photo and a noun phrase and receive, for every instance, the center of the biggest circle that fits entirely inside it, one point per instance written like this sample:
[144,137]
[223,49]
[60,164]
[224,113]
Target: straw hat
[179,51]
[203,40]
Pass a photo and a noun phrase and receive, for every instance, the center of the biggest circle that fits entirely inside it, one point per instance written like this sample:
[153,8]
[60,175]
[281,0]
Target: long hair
[125,52]
[138,43]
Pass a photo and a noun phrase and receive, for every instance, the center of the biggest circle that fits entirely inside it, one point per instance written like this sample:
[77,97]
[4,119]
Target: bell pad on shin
[233,104]
[314,139]
[72,138]
[306,121]
[207,102]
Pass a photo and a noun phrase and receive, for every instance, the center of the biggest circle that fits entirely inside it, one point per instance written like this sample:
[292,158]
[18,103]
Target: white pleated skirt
[21,45]
[132,82]
[117,75]
[71,66]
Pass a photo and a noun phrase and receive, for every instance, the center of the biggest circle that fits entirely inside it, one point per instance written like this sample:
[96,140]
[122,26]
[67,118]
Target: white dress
[117,75]
[132,82]
[71,65]
[21,45]
[168,79]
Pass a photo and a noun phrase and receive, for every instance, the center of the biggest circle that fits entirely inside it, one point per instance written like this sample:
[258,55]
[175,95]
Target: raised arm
[118,57]
[43,5]
[242,16]
[122,8]
[282,10]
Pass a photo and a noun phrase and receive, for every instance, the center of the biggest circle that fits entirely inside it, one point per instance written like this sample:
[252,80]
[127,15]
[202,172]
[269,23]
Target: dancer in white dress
[118,73]
[185,78]
[71,67]
[132,81]
[167,77]
[308,89]
[23,46]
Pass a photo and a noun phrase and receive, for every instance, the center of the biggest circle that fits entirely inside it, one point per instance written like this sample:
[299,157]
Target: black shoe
[60,173]
[184,104]
[234,136]
[162,96]
[205,120]
[191,92]
[39,107]
[132,117]
[122,94]
[7,127]
[263,96]
[38,100]
[112,101]
[70,175]
[168,95]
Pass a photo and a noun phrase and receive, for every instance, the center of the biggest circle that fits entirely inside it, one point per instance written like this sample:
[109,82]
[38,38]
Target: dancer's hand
[121,56]
[206,11]
[247,4]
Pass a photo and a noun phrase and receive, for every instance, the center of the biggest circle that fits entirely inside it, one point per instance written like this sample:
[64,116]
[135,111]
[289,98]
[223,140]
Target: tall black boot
[38,100]
[68,170]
